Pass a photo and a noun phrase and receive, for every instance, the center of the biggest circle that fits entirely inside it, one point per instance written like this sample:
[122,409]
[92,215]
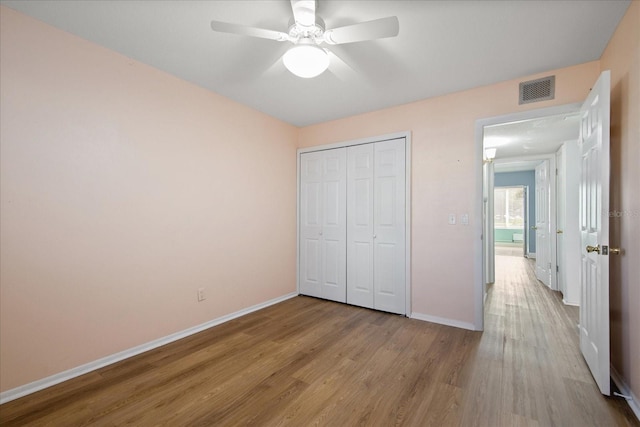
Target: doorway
[510,216]
[532,156]
[593,141]
[498,133]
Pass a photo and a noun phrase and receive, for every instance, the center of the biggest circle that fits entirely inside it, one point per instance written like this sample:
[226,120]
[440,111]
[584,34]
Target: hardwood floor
[311,362]
[510,249]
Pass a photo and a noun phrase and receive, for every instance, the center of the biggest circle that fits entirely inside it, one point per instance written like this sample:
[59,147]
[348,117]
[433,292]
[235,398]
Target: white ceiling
[516,166]
[443,46]
[527,138]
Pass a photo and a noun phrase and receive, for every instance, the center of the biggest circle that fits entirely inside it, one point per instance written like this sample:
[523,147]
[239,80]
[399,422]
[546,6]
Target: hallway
[529,370]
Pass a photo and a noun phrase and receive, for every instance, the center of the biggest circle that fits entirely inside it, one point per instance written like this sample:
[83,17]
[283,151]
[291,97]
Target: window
[508,207]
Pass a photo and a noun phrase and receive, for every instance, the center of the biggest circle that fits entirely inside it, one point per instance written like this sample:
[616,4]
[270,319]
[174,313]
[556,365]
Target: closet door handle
[374,236]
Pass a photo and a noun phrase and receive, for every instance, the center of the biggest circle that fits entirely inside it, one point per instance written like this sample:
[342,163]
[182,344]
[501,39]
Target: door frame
[525,220]
[480,256]
[553,256]
[367,140]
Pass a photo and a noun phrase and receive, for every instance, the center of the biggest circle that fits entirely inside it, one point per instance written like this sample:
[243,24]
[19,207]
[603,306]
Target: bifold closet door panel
[360,186]
[334,225]
[376,226]
[389,226]
[323,224]
[310,223]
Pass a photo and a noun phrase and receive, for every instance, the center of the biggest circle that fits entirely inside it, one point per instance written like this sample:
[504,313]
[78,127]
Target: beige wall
[444,178]
[622,57]
[123,190]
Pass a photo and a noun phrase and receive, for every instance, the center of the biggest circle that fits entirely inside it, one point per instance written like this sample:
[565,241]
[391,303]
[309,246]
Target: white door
[360,185]
[389,226]
[561,213]
[594,231]
[323,224]
[571,246]
[488,177]
[376,226]
[543,216]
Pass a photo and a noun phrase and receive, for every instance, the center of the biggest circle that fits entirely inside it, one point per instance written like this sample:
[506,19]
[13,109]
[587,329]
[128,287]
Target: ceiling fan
[306,58]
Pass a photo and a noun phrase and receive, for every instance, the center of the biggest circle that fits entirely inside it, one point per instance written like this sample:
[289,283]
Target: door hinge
[557,268]
[556,172]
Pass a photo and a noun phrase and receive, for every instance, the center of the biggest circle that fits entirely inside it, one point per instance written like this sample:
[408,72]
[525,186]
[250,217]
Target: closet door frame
[369,140]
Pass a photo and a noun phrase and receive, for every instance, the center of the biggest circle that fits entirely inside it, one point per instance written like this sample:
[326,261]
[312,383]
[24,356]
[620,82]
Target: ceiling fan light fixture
[306,60]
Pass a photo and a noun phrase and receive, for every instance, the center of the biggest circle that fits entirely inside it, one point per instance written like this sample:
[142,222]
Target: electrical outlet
[452,219]
[201,296]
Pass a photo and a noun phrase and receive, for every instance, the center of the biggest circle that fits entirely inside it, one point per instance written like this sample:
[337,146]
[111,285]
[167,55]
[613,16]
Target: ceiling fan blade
[340,68]
[376,29]
[226,27]
[304,12]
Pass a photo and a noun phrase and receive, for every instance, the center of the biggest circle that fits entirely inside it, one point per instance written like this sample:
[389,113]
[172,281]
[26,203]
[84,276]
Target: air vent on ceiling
[537,90]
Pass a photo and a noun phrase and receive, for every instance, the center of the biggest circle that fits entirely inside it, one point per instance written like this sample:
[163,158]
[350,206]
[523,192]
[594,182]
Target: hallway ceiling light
[490,153]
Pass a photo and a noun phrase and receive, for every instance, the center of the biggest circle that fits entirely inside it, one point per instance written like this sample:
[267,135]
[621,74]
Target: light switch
[452,219]
[464,219]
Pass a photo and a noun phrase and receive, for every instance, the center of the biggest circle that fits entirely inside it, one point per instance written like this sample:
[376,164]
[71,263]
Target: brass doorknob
[559,231]
[533,227]
[615,251]
[593,248]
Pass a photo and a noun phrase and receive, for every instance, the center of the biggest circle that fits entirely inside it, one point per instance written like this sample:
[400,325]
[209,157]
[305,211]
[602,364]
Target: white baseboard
[38,385]
[573,304]
[634,403]
[443,321]
[531,255]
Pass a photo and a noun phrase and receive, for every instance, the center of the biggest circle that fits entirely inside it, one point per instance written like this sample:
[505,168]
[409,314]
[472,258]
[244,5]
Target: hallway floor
[529,369]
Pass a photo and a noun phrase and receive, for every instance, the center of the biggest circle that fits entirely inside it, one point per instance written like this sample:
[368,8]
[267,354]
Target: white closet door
[323,224]
[389,226]
[360,186]
[376,226]
[310,223]
[334,225]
